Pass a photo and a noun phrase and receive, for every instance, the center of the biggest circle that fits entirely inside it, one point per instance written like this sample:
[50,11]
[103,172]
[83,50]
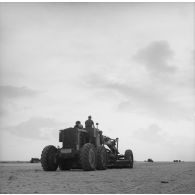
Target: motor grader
[85,149]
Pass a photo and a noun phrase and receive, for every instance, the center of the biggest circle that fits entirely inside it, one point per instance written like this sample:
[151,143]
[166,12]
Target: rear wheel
[49,158]
[101,158]
[129,157]
[65,165]
[88,157]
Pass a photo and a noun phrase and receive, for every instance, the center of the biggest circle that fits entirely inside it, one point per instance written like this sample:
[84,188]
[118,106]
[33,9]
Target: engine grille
[69,138]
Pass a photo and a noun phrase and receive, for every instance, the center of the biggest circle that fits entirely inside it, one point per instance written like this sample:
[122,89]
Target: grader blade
[122,163]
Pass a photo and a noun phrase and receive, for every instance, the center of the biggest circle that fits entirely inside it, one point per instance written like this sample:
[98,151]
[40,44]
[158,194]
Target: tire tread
[46,164]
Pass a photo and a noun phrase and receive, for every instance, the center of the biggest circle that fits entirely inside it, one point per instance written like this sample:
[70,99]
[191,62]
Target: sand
[164,177]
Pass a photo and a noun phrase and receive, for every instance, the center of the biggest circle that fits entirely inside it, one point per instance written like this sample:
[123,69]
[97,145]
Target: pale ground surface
[143,178]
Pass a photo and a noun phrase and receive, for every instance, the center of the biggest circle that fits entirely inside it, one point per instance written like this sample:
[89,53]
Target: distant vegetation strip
[14,162]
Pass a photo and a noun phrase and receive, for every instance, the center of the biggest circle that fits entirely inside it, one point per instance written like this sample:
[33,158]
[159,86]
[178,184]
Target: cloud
[9,95]
[8,91]
[152,134]
[155,57]
[36,128]
[153,100]
[149,101]
[157,140]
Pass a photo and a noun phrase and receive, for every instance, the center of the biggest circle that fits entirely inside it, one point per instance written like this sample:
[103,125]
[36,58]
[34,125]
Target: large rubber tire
[48,158]
[65,165]
[101,158]
[88,157]
[129,156]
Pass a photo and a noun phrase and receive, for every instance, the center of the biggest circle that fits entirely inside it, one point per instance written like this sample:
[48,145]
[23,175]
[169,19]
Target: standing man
[89,123]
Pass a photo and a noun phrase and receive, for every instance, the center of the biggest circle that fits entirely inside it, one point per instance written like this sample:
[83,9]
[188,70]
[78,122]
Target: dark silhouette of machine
[85,149]
[35,160]
[150,160]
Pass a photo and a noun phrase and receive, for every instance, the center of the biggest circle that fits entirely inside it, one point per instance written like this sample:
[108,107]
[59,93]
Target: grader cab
[85,149]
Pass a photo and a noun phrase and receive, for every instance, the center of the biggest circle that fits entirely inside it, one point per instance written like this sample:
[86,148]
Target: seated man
[78,125]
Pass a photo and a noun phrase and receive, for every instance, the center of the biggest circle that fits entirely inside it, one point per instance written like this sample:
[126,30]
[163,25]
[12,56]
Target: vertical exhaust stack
[97,125]
[117,143]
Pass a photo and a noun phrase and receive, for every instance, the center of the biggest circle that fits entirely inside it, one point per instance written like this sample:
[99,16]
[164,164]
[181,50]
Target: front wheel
[49,158]
[129,157]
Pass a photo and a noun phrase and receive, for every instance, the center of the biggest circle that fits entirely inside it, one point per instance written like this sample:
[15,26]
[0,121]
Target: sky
[129,65]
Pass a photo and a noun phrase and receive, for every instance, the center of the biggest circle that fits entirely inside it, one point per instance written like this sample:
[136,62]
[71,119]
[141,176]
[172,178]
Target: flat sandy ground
[143,178]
